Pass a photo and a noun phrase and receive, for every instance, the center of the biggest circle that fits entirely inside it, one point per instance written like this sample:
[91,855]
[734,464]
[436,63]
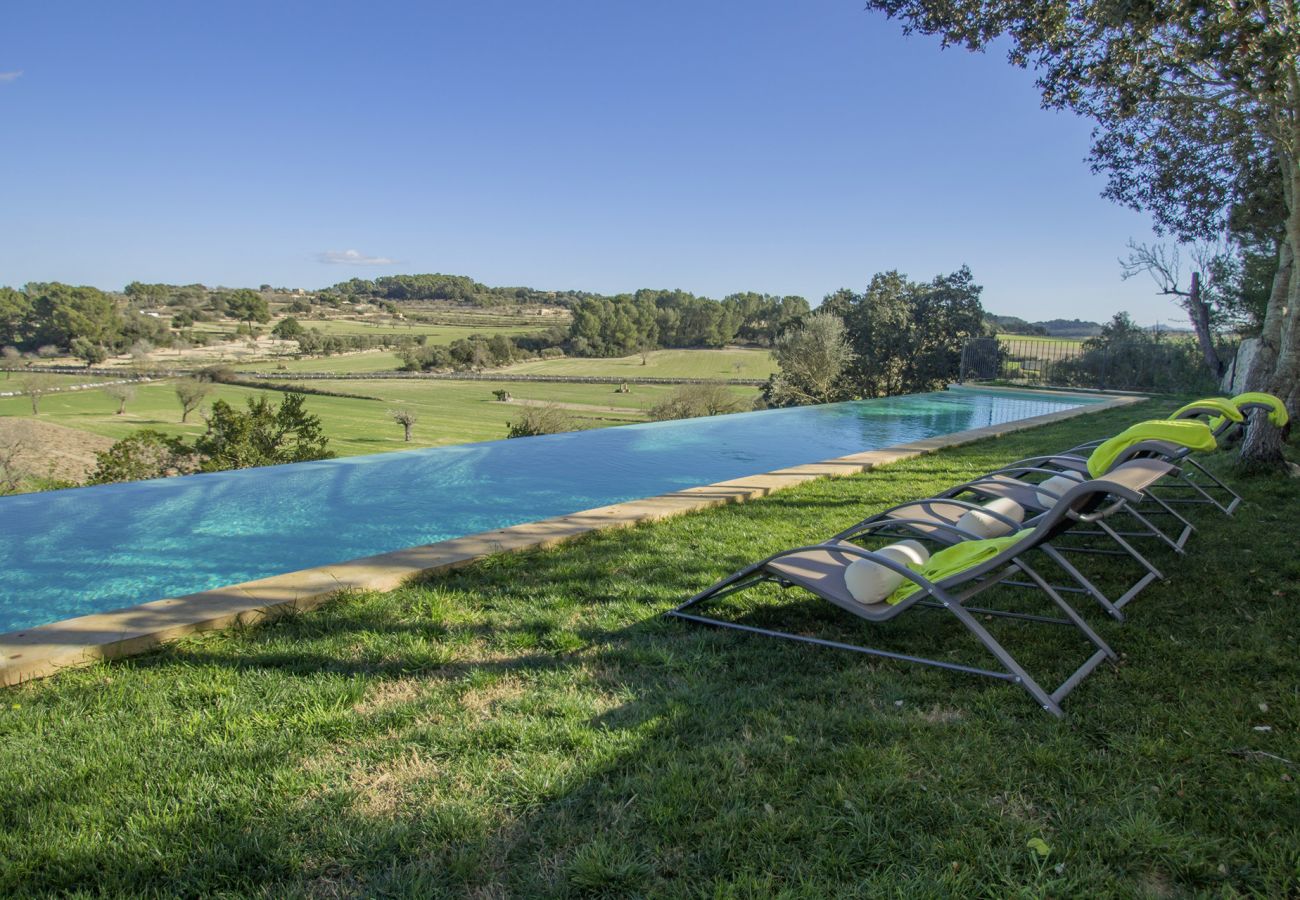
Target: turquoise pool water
[73,552]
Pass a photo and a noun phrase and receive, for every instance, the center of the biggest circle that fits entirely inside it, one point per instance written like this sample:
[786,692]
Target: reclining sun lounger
[958,504]
[1172,441]
[952,577]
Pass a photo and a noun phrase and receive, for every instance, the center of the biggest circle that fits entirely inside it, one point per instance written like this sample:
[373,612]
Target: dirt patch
[52,451]
[480,700]
[388,693]
[385,789]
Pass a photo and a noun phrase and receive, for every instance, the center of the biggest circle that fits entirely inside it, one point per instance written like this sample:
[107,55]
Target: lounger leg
[1236,498]
[1188,527]
[1019,675]
[1067,609]
[1156,532]
[1055,556]
[1130,549]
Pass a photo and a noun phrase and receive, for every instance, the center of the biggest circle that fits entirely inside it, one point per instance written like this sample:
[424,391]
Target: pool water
[72,552]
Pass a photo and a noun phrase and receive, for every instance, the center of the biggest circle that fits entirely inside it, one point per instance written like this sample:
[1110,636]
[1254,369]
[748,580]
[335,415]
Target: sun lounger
[821,570]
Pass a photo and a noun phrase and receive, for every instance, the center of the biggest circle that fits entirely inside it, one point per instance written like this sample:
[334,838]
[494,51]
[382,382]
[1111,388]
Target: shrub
[535,420]
[692,400]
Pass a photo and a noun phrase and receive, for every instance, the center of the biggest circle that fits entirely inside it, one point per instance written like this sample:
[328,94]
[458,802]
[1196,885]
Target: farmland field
[448,412]
[727,363]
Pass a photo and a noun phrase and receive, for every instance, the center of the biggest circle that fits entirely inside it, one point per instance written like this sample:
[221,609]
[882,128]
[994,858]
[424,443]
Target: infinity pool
[83,550]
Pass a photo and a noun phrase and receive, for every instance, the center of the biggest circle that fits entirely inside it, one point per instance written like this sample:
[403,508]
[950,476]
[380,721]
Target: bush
[536,420]
[692,400]
[143,454]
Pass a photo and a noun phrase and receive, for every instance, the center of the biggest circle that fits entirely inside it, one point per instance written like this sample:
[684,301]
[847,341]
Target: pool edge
[44,650]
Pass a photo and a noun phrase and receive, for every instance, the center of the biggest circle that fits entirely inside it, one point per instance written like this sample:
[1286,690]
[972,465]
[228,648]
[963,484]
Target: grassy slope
[733,363]
[450,412]
[529,726]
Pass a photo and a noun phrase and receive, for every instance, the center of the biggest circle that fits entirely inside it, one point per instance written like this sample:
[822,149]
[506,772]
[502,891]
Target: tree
[61,313]
[191,392]
[287,329]
[405,418]
[537,420]
[143,454]
[122,393]
[1196,107]
[811,358]
[907,336]
[692,400]
[1205,300]
[36,386]
[15,317]
[85,349]
[262,436]
[248,306]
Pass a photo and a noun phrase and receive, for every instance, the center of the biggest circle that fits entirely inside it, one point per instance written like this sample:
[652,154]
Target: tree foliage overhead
[1196,108]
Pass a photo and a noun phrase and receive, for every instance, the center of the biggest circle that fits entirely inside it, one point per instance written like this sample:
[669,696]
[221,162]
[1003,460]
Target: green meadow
[449,412]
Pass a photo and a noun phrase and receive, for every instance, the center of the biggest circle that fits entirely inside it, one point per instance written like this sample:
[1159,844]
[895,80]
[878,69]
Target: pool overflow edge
[45,650]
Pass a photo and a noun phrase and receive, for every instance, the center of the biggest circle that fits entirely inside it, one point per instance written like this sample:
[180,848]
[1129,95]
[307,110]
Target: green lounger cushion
[955,560]
[1277,413]
[1226,408]
[1184,432]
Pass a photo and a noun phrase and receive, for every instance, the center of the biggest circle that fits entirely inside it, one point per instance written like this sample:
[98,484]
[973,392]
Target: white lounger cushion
[870,582]
[1054,488]
[981,524]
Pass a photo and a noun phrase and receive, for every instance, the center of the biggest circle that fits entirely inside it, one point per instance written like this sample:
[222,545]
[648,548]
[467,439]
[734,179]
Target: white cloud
[353,258]
[6,77]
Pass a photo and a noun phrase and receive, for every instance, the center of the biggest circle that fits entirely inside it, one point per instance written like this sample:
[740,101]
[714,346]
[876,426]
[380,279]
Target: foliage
[1129,357]
[537,420]
[811,358]
[191,392]
[122,393]
[287,329]
[248,306]
[35,386]
[692,400]
[262,436]
[406,418]
[141,455]
[648,319]
[907,336]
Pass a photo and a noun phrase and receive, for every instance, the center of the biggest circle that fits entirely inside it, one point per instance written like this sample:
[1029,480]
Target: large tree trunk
[1276,368]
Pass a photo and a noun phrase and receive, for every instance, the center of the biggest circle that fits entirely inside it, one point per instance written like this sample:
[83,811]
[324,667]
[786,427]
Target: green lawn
[531,726]
[730,363]
[450,412]
[343,364]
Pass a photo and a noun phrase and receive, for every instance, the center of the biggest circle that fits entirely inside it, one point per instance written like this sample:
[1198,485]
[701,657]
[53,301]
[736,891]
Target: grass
[450,412]
[530,726]
[729,363]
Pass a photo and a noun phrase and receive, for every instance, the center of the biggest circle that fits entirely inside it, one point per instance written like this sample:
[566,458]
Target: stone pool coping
[46,649]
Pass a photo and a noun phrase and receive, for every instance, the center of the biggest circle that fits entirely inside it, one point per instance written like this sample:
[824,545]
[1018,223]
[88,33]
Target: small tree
[405,418]
[287,329]
[262,436]
[14,448]
[85,349]
[36,386]
[535,420]
[122,393]
[143,454]
[503,396]
[811,358]
[10,359]
[692,400]
[191,392]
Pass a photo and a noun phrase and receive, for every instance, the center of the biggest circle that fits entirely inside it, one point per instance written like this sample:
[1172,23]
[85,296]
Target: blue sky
[605,145]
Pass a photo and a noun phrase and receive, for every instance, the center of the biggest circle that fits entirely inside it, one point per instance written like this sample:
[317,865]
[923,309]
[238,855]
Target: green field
[731,363]
[343,363]
[450,412]
[530,726]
